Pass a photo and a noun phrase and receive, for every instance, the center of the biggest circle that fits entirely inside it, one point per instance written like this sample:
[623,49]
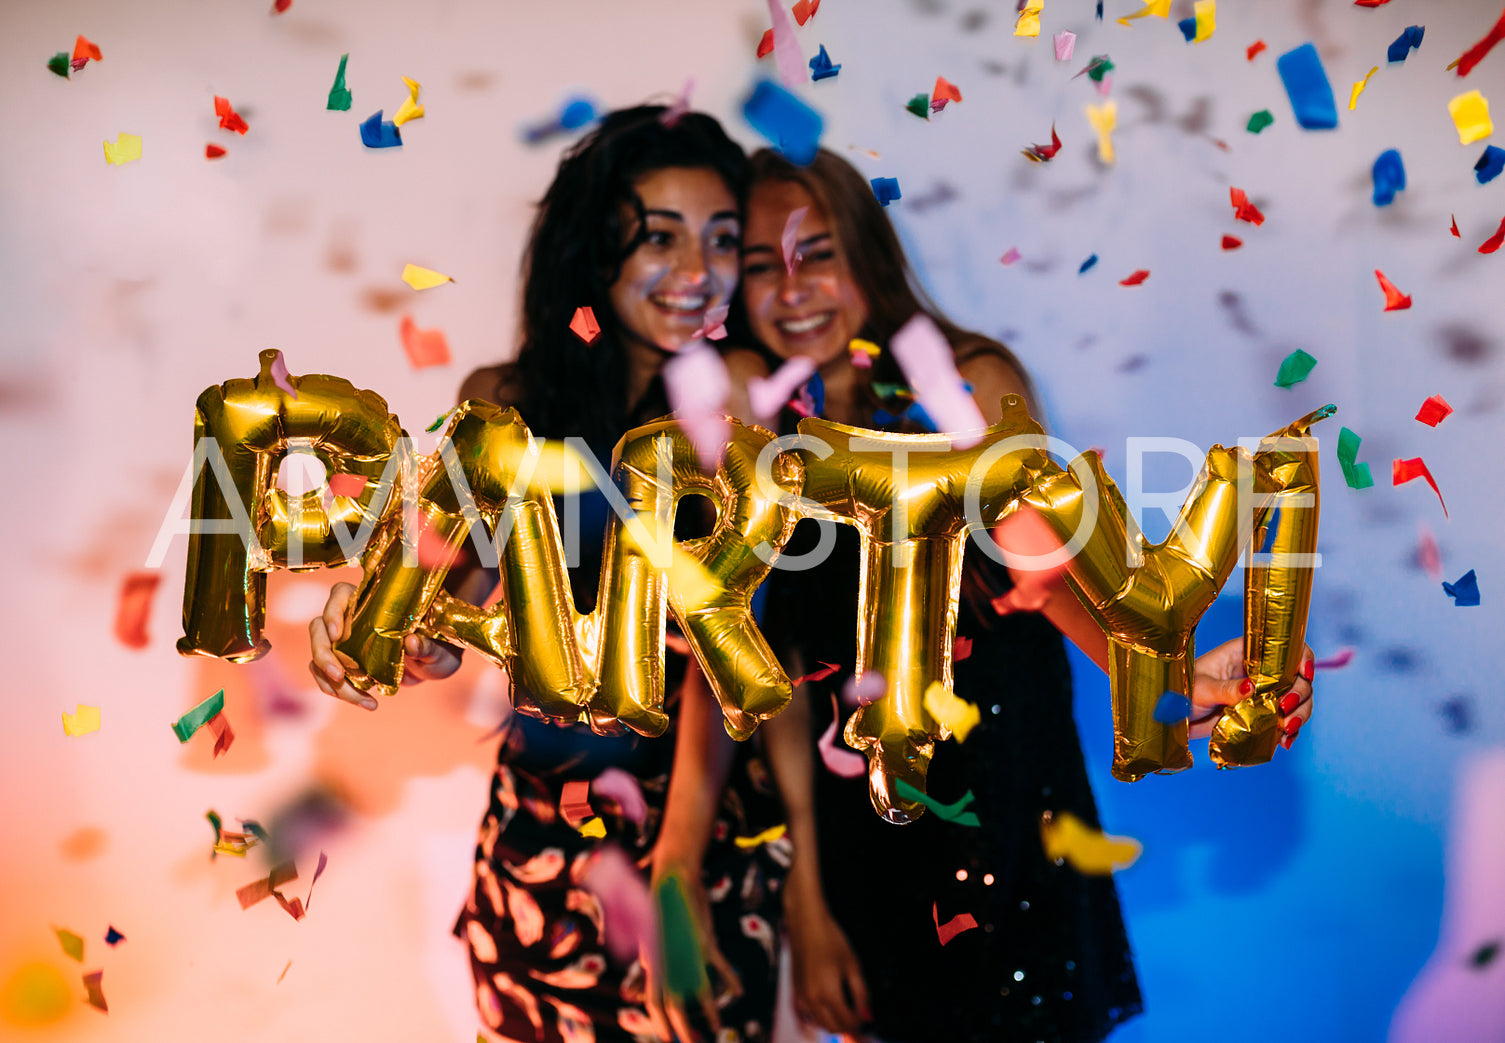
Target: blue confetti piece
[1464,592]
[916,415]
[1088,263]
[1490,164]
[1188,27]
[114,937]
[1099,10]
[1389,177]
[793,127]
[1405,43]
[821,67]
[576,113]
[378,134]
[886,189]
[1306,85]
[816,388]
[1173,708]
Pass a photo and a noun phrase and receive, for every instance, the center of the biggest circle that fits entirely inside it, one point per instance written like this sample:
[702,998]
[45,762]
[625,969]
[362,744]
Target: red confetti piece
[1434,411]
[424,347]
[94,983]
[827,669]
[1403,471]
[961,649]
[229,119]
[584,325]
[1394,299]
[260,890]
[134,607]
[953,927]
[351,485]
[1475,54]
[1232,242]
[1244,210]
[224,735]
[213,152]
[805,10]
[1456,234]
[765,45]
[1428,554]
[1337,662]
[574,802]
[278,6]
[1045,153]
[1255,48]
[83,50]
[1370,3]
[293,907]
[1136,278]
[1494,242]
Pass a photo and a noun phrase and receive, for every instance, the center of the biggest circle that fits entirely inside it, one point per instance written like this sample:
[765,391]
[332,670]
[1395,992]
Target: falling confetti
[1172,708]
[1465,62]
[821,67]
[1408,41]
[1136,278]
[954,812]
[72,944]
[1090,851]
[1464,591]
[196,718]
[1494,242]
[424,347]
[1044,153]
[1259,121]
[1255,48]
[423,278]
[409,109]
[1232,242]
[1243,210]
[1389,177]
[93,984]
[375,133]
[1357,475]
[339,95]
[1394,299]
[213,151]
[1027,23]
[952,927]
[1470,112]
[1104,118]
[1358,88]
[1294,368]
[229,119]
[1308,89]
[1087,265]
[126,148]
[1403,471]
[1434,411]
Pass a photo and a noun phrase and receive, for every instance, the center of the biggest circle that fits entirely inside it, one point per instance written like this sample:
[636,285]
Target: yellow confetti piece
[560,469]
[954,712]
[1358,88]
[593,828]
[1089,851]
[423,278]
[1155,8]
[1206,12]
[36,994]
[128,147]
[689,583]
[768,836]
[1028,22]
[410,109]
[1104,118]
[82,721]
[1470,114]
[866,347]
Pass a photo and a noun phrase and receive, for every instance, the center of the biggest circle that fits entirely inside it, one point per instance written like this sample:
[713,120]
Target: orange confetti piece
[1403,471]
[804,10]
[1244,210]
[1494,242]
[1232,242]
[351,485]
[1434,411]
[1136,278]
[574,802]
[961,649]
[1394,299]
[229,119]
[83,50]
[765,45]
[213,152]
[1255,48]
[224,735]
[424,347]
[94,983]
[584,325]
[260,890]
[952,927]
[134,608]
[944,91]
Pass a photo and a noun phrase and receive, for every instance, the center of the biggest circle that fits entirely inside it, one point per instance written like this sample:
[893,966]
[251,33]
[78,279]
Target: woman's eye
[726,241]
[658,238]
[756,268]
[821,256]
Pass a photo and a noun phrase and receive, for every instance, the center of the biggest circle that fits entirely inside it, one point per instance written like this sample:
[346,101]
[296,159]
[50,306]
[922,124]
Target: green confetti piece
[60,64]
[891,390]
[1099,68]
[339,95]
[1294,368]
[438,422]
[1485,954]
[217,822]
[1354,473]
[1259,121]
[194,719]
[919,105]
[948,812]
[684,966]
[72,944]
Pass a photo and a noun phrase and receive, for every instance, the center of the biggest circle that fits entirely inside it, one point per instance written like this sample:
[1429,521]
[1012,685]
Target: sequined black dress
[1050,958]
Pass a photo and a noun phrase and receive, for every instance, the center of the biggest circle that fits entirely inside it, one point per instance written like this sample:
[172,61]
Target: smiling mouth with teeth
[688,306]
[809,324]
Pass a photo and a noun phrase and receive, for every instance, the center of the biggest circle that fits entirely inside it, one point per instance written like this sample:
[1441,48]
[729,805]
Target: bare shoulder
[744,363]
[498,384]
[993,374]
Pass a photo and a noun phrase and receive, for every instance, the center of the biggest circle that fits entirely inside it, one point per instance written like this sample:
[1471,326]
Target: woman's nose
[693,266]
[792,288]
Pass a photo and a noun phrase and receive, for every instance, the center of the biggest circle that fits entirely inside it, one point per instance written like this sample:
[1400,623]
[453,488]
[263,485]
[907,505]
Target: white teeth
[678,302]
[804,325]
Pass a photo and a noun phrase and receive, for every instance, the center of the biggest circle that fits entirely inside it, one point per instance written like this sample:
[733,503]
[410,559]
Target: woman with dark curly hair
[641,225]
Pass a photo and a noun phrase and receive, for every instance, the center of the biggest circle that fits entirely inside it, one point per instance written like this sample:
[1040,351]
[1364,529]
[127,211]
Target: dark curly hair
[576,251]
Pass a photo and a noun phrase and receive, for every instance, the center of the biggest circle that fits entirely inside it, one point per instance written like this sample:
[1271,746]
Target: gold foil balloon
[244,526]
[1277,594]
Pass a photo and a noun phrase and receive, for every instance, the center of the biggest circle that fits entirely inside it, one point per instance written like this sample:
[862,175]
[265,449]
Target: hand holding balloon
[1220,681]
[425,658]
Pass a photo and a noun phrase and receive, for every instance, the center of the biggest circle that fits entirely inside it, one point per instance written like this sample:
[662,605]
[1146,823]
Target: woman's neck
[644,360]
[845,402]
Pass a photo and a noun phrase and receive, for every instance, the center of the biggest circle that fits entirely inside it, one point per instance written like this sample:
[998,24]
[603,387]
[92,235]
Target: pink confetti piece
[679,106]
[424,347]
[1011,256]
[767,395]
[224,735]
[698,385]
[627,909]
[961,648]
[1105,84]
[826,670]
[929,365]
[786,49]
[1336,662]
[1403,471]
[713,326]
[278,369]
[790,238]
[134,608]
[348,485]
[844,763]
[953,927]
[1065,45]
[861,691]
[616,785]
[318,872]
[1428,554]
[1434,411]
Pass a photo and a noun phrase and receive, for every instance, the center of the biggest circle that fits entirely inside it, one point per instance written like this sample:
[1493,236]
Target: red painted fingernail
[1245,686]
[1289,702]
[1309,669]
[1292,726]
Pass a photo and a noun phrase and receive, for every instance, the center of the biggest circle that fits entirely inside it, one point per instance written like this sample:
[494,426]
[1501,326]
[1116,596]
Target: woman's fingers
[857,989]
[343,690]
[334,609]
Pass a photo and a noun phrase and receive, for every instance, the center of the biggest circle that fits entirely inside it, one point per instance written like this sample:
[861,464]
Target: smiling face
[816,311]
[686,260]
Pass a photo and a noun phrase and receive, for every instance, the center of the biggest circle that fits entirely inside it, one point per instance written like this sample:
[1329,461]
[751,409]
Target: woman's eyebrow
[802,245]
[673,215]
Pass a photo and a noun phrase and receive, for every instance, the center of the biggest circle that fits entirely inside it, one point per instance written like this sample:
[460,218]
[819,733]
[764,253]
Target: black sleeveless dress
[538,948]
[1049,959]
